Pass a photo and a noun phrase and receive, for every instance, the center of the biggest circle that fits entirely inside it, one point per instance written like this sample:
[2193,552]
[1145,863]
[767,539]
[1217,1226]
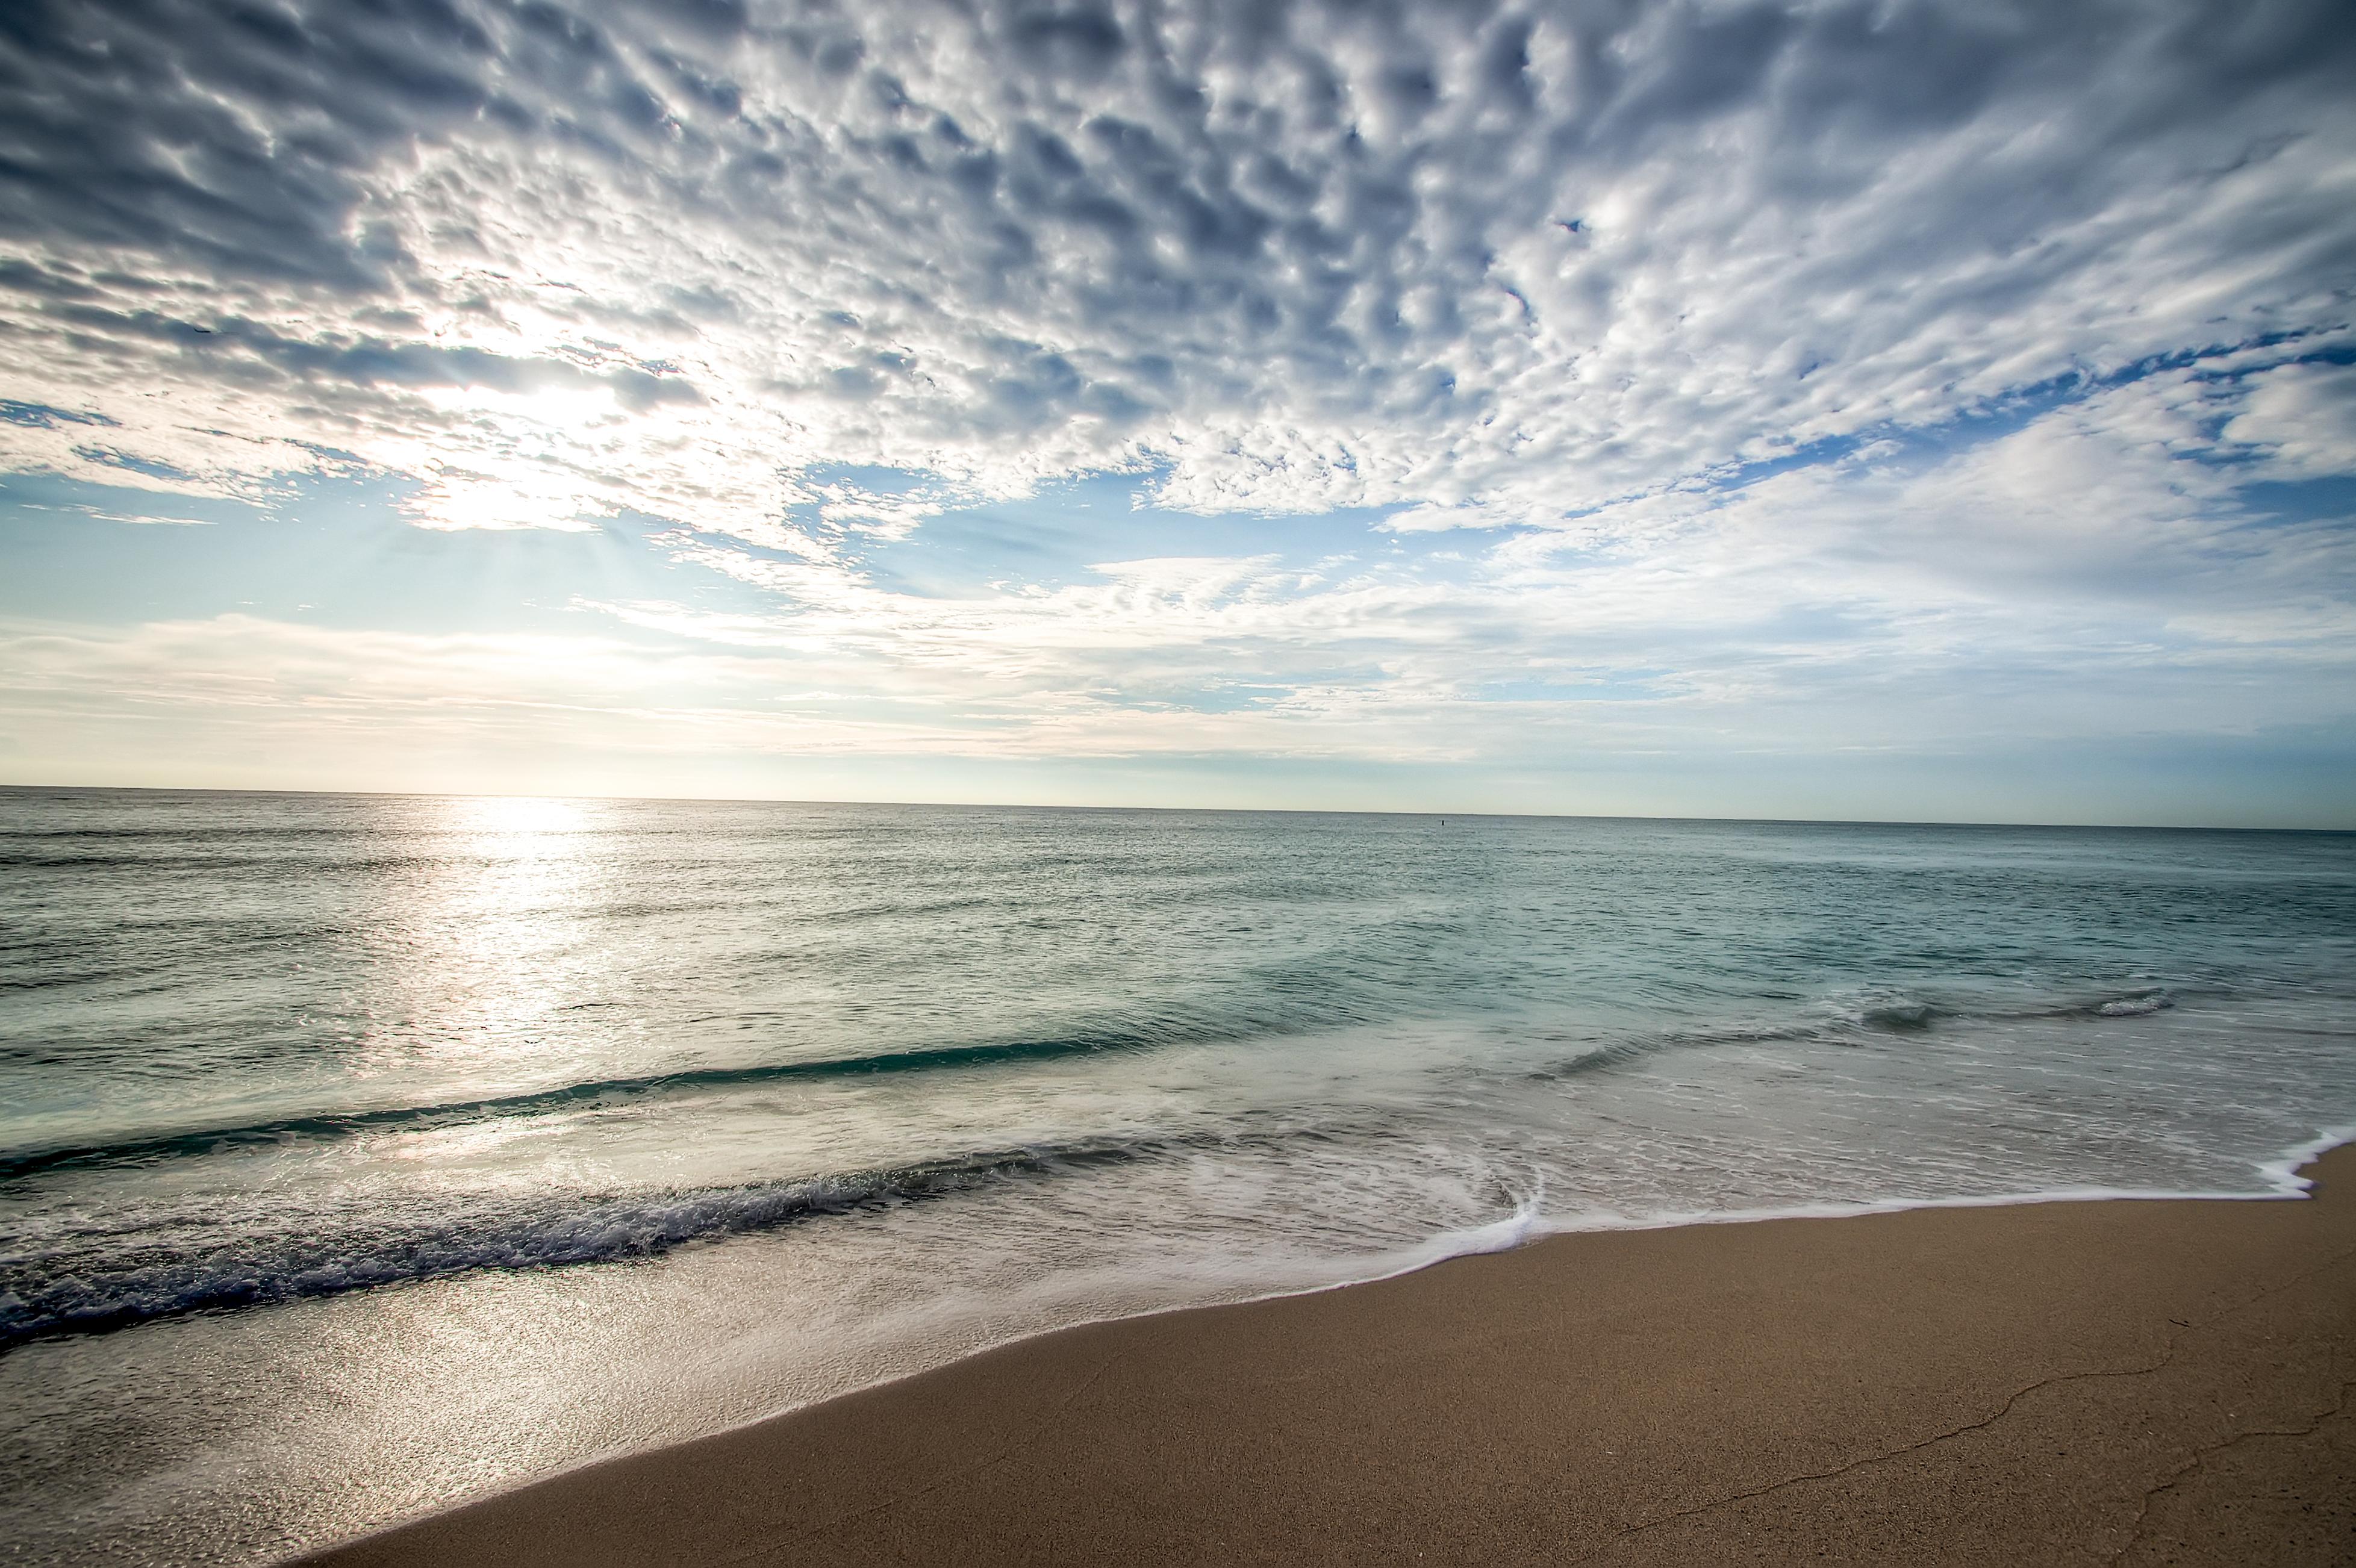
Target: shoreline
[1599,1395]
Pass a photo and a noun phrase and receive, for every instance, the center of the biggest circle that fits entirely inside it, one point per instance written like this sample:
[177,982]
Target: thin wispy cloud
[1488,385]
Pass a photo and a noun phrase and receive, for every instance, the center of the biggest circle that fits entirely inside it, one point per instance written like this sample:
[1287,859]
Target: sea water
[362,1154]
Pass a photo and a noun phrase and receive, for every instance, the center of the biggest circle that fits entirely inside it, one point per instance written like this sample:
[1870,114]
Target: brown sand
[2135,1382]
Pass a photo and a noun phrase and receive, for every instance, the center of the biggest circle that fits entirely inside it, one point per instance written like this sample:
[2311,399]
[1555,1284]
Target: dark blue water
[359,1152]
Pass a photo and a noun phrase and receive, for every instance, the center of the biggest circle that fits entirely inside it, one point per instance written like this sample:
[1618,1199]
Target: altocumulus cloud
[1742,357]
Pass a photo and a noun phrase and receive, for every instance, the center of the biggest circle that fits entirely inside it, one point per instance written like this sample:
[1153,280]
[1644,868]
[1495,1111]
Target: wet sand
[2122,1381]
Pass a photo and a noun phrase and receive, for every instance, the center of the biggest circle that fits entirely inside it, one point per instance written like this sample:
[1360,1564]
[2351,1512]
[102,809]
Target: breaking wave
[594,1094]
[76,1291]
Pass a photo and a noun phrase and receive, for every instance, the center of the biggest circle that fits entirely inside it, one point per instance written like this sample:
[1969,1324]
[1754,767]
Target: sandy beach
[2140,1381]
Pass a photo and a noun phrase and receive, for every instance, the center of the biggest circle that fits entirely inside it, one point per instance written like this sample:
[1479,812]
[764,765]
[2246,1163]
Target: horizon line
[8,788]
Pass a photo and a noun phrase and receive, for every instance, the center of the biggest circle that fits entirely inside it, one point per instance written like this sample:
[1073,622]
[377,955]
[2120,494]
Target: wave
[1904,1014]
[328,1125]
[231,830]
[1901,1013]
[1620,1052]
[1886,1013]
[68,1293]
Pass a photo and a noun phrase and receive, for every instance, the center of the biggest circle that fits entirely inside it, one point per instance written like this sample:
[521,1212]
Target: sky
[1886,409]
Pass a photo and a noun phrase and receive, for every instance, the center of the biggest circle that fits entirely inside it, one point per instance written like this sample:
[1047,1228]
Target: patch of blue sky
[107,457]
[2297,501]
[25,498]
[1226,696]
[1616,686]
[332,550]
[2007,415]
[870,478]
[339,550]
[43,416]
[1057,536]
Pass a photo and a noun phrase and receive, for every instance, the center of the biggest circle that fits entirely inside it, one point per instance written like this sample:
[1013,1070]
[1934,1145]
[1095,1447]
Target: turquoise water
[360,1153]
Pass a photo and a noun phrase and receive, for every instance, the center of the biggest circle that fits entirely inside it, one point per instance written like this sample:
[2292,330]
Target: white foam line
[2281,1175]
[2283,1170]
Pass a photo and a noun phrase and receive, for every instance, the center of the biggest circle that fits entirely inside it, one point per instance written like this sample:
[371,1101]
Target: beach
[2129,1381]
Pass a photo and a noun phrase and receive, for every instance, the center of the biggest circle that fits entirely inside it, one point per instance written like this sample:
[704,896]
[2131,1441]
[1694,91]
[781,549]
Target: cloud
[1303,256]
[2089,574]
[1845,373]
[2302,419]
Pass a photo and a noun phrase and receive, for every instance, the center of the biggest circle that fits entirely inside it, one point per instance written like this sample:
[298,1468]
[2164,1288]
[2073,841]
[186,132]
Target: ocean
[359,1154]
